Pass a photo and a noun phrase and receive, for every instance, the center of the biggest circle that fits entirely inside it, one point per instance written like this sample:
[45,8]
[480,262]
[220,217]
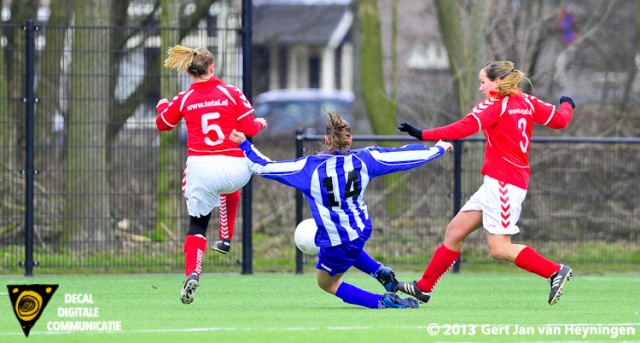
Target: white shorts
[500,203]
[206,177]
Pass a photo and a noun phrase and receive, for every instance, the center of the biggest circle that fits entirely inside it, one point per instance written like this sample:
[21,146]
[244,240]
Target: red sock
[227,214]
[443,258]
[194,248]
[529,260]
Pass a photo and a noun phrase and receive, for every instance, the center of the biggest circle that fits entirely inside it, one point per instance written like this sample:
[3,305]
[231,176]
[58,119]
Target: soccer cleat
[222,247]
[412,289]
[188,291]
[387,278]
[392,300]
[557,282]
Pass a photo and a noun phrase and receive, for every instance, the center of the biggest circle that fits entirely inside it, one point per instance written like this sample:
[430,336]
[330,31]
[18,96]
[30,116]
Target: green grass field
[467,307]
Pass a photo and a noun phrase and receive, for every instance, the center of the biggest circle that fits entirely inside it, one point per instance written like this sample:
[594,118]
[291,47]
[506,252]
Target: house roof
[283,24]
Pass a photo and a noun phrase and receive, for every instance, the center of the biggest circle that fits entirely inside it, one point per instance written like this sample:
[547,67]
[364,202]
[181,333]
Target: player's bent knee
[198,225]
[454,236]
[326,286]
[497,252]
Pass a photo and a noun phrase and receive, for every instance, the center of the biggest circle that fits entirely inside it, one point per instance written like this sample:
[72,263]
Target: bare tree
[466,48]
[123,110]
[169,159]
[632,71]
[380,105]
[380,102]
[6,131]
[50,81]
[87,204]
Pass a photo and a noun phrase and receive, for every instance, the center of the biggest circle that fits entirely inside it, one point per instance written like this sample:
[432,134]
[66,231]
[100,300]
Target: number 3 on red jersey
[524,144]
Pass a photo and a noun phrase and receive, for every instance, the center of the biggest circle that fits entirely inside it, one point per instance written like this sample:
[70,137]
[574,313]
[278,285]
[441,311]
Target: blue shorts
[338,259]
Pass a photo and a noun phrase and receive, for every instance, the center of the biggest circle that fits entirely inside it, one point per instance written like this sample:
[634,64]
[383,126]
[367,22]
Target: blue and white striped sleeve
[285,172]
[383,161]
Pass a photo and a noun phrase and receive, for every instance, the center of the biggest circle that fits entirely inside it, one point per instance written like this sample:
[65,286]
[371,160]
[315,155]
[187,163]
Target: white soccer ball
[305,237]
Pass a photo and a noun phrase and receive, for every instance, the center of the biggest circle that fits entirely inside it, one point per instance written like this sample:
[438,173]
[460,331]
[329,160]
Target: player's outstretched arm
[561,118]
[445,145]
[282,171]
[411,130]
[568,100]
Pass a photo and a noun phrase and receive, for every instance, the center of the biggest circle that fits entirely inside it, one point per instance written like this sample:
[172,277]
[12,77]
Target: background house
[302,45]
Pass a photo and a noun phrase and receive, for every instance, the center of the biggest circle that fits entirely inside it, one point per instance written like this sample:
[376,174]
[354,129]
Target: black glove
[408,128]
[567,99]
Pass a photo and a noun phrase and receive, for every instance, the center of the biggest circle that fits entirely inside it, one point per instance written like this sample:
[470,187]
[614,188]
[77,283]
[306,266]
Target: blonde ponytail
[194,62]
[180,58]
[510,77]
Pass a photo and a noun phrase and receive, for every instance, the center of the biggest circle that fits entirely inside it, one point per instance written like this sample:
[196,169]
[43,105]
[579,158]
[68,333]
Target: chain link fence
[87,170]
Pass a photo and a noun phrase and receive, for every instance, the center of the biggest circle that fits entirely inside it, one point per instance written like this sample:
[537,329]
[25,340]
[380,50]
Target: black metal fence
[84,167]
[581,206]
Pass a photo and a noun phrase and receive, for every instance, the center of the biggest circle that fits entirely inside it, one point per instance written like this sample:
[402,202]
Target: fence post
[299,153]
[457,188]
[29,170]
[247,244]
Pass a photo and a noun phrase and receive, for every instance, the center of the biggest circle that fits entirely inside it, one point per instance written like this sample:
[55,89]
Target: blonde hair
[338,133]
[194,62]
[510,77]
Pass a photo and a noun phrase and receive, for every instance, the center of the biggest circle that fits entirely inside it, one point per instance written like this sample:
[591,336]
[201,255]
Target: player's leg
[445,255]
[198,180]
[195,244]
[234,173]
[333,262]
[351,294]
[529,259]
[532,261]
[501,247]
[501,213]
[385,275]
[466,221]
[227,214]
[525,257]
[502,205]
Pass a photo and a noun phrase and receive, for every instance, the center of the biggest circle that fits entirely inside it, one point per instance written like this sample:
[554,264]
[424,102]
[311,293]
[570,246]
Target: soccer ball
[305,237]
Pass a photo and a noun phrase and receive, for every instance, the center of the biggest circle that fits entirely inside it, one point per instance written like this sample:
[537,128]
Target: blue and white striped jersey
[334,184]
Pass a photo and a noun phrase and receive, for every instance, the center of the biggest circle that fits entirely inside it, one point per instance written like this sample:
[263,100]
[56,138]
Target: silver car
[289,109]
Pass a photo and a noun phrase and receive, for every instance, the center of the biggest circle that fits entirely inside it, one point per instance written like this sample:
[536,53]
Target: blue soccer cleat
[387,278]
[392,300]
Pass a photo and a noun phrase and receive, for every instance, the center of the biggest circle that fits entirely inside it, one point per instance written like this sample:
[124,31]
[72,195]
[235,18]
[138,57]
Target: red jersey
[507,124]
[211,110]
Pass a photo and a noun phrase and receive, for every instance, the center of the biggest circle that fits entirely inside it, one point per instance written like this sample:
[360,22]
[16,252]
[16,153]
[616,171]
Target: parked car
[289,109]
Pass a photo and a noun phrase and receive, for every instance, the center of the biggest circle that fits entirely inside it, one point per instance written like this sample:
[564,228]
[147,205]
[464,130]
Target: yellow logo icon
[28,302]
